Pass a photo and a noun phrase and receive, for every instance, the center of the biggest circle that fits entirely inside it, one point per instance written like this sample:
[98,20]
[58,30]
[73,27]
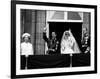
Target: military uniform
[86,44]
[52,44]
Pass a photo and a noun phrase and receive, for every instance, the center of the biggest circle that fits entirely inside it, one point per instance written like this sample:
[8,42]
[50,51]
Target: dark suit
[85,43]
[52,44]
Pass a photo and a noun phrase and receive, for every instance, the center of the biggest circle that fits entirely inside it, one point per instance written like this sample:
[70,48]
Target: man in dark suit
[52,42]
[86,42]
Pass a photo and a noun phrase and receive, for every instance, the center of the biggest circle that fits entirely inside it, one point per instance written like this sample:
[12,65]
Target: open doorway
[60,27]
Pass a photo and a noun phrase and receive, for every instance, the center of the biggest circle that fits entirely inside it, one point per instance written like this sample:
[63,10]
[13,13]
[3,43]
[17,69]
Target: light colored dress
[66,46]
[26,49]
[69,45]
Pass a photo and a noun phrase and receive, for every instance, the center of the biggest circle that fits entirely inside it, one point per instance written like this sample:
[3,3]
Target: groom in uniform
[51,43]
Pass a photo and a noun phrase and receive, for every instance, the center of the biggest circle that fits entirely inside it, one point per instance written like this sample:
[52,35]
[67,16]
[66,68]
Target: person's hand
[70,30]
[45,29]
[63,48]
[26,56]
[51,50]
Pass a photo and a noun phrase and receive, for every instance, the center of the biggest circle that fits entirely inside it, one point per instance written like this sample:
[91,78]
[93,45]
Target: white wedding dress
[69,46]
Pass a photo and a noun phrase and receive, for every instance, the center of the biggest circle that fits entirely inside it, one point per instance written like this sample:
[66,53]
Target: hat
[25,34]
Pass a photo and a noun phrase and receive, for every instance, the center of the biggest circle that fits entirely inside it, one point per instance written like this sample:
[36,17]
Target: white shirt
[26,49]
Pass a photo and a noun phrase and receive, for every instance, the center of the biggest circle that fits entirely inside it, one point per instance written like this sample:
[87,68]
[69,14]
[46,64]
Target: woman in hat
[26,46]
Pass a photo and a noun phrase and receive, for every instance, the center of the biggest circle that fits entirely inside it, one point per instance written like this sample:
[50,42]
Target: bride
[68,43]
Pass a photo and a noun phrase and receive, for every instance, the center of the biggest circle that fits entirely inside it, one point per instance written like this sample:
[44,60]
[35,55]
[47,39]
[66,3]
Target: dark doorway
[60,27]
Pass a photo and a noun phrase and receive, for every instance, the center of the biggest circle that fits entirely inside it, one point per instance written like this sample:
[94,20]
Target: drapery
[55,61]
[46,61]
